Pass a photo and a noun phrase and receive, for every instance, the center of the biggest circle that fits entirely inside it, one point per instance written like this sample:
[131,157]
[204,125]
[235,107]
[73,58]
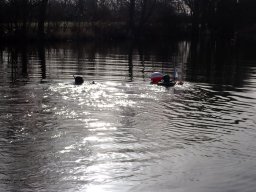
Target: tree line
[124,18]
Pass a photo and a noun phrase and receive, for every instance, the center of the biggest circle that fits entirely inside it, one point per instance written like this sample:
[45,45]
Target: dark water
[121,133]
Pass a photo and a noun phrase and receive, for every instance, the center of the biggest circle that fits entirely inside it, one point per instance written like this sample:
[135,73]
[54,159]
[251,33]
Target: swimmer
[78,80]
[169,83]
[166,81]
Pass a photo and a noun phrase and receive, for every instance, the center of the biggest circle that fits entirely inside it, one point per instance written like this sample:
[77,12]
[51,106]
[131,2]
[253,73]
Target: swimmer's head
[166,78]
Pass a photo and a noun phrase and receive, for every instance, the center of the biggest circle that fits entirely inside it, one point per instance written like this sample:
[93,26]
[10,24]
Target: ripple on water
[110,132]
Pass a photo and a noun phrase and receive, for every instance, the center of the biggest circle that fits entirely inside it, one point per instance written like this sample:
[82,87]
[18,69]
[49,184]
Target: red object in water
[156,77]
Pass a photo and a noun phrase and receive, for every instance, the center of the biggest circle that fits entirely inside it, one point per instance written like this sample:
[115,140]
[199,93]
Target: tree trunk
[131,24]
[41,18]
[146,11]
[25,13]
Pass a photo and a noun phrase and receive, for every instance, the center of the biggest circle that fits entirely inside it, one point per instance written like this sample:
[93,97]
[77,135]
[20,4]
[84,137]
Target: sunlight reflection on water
[122,133]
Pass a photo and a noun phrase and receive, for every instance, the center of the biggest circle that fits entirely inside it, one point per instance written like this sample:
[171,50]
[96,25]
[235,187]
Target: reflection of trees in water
[130,63]
[158,57]
[41,55]
[18,59]
[118,61]
[13,60]
[216,62]
[24,61]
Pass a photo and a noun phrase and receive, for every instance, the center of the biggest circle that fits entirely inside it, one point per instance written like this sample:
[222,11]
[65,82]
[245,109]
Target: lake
[123,133]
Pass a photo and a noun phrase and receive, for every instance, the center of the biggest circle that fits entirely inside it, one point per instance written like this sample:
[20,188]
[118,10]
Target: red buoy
[156,77]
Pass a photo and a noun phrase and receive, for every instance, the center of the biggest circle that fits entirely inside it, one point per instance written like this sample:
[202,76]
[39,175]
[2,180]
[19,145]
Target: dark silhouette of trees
[219,17]
[130,18]
[42,17]
[246,15]
[139,14]
[1,18]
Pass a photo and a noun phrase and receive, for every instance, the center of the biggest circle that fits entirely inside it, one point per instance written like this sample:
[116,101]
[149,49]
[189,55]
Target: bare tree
[131,21]
[147,8]
[42,17]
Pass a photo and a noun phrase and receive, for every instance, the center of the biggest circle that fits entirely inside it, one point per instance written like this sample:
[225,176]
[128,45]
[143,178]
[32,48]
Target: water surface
[122,133]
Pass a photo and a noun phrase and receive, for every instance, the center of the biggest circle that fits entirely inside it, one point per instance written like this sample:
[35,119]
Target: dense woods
[122,19]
